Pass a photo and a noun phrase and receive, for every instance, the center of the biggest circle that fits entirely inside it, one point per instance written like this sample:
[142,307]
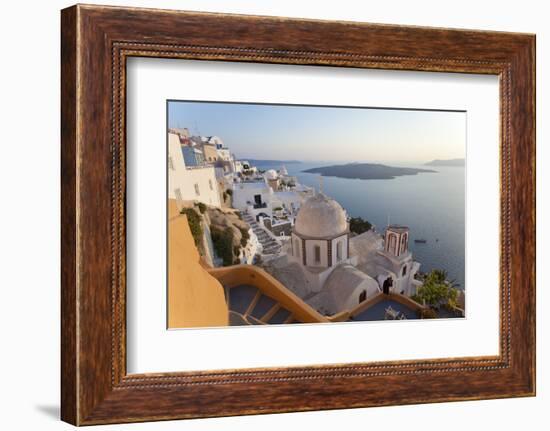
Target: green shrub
[229,192]
[358,225]
[194,221]
[223,244]
[436,290]
[416,298]
[202,207]
[428,313]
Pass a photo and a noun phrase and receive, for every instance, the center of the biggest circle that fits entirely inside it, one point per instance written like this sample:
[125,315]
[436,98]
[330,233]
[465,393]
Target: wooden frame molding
[95,43]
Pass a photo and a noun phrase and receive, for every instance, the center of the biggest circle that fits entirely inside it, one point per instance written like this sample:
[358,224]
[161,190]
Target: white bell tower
[396,240]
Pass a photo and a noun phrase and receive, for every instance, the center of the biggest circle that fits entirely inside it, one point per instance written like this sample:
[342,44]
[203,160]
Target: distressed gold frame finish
[96,42]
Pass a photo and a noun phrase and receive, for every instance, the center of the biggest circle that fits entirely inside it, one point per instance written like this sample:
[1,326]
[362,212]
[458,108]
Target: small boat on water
[421,241]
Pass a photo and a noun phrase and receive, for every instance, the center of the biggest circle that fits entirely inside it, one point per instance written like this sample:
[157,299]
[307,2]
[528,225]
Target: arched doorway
[363,296]
[388,282]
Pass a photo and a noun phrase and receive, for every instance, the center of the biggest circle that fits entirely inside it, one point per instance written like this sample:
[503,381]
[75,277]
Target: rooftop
[378,311]
[398,228]
[321,217]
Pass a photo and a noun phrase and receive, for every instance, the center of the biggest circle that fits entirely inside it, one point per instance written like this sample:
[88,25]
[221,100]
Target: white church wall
[311,244]
[296,248]
[316,280]
[369,286]
[343,240]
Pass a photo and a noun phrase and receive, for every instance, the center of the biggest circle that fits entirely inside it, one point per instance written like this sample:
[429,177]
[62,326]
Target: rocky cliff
[220,234]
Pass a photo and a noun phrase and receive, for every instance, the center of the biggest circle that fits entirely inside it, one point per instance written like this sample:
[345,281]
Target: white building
[333,272]
[320,239]
[238,166]
[246,166]
[254,197]
[224,155]
[392,265]
[292,200]
[222,152]
[258,197]
[272,179]
[197,183]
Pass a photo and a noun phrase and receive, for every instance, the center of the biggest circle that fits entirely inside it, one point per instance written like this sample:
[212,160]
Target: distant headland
[365,171]
[449,162]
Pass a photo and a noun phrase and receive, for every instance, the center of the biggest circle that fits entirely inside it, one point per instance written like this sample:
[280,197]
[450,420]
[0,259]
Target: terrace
[249,306]
[383,311]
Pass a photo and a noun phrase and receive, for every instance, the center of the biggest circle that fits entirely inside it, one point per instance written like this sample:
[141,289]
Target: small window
[404,272]
[339,251]
[317,252]
[170,163]
[210,184]
[197,192]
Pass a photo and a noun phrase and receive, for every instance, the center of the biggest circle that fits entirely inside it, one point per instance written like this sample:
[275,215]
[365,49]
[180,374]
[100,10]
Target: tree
[202,207]
[194,221]
[452,300]
[223,244]
[437,290]
[358,225]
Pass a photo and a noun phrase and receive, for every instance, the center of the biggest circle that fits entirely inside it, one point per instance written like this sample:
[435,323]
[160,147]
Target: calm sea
[430,204]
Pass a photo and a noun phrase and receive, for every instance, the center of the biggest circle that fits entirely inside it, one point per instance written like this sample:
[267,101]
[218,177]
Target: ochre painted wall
[195,298]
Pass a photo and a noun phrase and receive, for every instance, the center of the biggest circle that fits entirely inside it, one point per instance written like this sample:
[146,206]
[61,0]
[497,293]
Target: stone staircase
[269,245]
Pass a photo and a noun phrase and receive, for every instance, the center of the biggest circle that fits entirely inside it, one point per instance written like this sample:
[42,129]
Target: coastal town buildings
[312,267]
[332,271]
[192,156]
[190,183]
[183,134]
[210,153]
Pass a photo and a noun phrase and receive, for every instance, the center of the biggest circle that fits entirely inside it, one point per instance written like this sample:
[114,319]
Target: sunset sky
[315,133]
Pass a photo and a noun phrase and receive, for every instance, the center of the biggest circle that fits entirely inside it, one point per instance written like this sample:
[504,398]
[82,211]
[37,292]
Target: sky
[332,134]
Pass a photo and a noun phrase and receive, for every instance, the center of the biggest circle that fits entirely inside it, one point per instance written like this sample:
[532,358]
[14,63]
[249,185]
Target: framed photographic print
[331,214]
[281,221]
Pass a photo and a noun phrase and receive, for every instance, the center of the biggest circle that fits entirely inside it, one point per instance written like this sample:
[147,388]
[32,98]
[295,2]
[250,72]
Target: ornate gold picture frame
[96,43]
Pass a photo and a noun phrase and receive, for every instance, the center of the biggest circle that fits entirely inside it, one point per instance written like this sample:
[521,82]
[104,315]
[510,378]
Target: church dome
[271,174]
[321,217]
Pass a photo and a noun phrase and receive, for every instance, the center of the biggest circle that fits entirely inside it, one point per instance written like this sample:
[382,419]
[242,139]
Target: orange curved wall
[195,298]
